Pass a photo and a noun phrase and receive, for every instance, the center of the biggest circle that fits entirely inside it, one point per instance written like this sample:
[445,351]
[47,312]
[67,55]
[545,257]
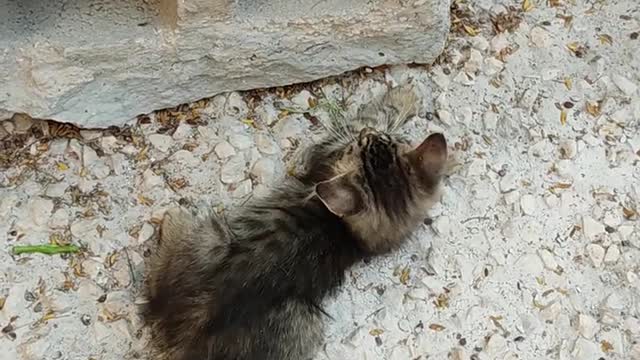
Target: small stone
[263,171]
[625,85]
[302,99]
[496,346]
[539,37]
[528,204]
[150,180]
[59,219]
[479,42]
[109,144]
[86,319]
[240,141]
[40,210]
[552,201]
[266,145]
[587,326]
[243,189]
[446,117]
[585,349]
[56,189]
[548,259]
[233,170]
[145,233]
[224,150]
[464,79]
[490,120]
[492,66]
[508,183]
[208,134]
[235,105]
[596,254]
[474,63]
[442,225]
[499,42]
[183,131]
[161,142]
[568,149]
[591,228]
[477,167]
[185,157]
[613,254]
[22,123]
[267,114]
[89,156]
[90,135]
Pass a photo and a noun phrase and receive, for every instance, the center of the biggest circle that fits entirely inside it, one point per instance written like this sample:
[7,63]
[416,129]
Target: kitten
[252,289]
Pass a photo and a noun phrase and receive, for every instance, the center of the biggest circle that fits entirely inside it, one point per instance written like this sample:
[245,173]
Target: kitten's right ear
[430,157]
[340,196]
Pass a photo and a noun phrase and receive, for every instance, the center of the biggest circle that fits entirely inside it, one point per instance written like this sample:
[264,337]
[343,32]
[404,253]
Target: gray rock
[161,142]
[224,150]
[233,170]
[108,62]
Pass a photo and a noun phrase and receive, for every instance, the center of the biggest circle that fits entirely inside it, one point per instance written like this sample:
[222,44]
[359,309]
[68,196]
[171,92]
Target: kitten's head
[381,186]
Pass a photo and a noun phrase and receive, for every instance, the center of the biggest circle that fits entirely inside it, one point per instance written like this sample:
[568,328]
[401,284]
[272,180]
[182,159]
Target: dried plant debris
[507,21]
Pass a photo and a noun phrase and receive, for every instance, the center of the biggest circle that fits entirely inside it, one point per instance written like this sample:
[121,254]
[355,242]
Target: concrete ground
[533,252]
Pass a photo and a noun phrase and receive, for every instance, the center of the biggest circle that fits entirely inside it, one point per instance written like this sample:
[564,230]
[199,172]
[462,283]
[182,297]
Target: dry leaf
[470,30]
[606,346]
[111,259]
[62,166]
[568,20]
[605,39]
[577,49]
[249,122]
[527,5]
[376,332]
[436,327]
[563,117]
[2,302]
[554,3]
[593,108]
[313,102]
[143,200]
[568,83]
[628,213]
[404,276]
[49,315]
[178,183]
[442,301]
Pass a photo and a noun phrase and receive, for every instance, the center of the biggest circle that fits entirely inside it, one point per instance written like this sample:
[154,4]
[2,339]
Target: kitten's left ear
[430,157]
[340,196]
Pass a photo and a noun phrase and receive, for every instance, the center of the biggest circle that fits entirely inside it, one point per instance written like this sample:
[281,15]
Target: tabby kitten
[252,288]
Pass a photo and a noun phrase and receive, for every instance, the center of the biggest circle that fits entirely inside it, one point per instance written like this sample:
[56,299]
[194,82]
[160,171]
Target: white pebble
[266,145]
[446,117]
[145,233]
[596,254]
[474,63]
[59,219]
[477,167]
[552,201]
[569,148]
[185,157]
[496,346]
[591,228]
[233,170]
[613,254]
[56,189]
[150,180]
[161,142]
[479,42]
[548,259]
[539,37]
[263,171]
[625,85]
[183,131]
[442,225]
[585,349]
[528,204]
[240,141]
[587,326]
[301,99]
[499,42]
[492,66]
[490,120]
[224,150]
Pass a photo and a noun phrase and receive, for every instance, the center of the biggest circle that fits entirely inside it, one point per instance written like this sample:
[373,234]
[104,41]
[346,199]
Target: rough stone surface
[108,62]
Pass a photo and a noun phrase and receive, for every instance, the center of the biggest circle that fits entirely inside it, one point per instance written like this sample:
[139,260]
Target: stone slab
[99,63]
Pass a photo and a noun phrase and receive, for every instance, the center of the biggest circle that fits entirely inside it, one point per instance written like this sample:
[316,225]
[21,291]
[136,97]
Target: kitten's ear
[430,157]
[340,196]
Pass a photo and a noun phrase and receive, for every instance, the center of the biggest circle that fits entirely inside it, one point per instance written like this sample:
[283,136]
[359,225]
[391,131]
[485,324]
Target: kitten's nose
[367,132]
